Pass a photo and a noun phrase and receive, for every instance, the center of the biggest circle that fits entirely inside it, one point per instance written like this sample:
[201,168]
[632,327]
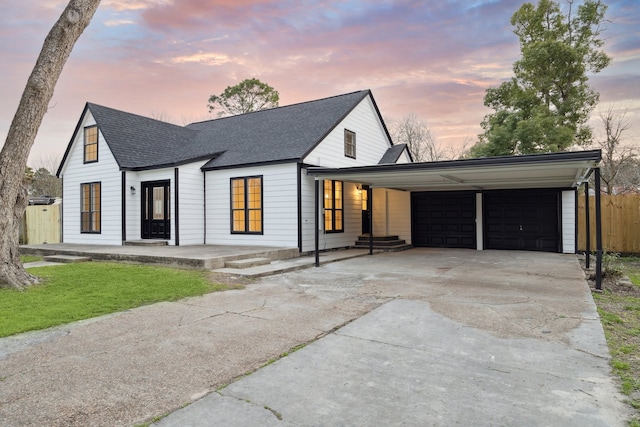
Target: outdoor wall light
[133,190]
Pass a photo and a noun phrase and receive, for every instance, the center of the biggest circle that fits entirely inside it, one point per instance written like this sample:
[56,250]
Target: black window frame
[333,208]
[349,147]
[90,213]
[245,208]
[85,144]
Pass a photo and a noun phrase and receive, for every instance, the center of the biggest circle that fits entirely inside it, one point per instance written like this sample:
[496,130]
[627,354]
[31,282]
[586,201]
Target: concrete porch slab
[204,257]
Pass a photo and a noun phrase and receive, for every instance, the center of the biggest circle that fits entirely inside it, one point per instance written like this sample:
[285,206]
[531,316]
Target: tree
[619,165]
[33,105]
[44,183]
[414,132]
[248,95]
[546,105]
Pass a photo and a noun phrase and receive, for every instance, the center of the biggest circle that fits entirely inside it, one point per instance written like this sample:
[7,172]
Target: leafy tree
[546,105]
[619,165]
[33,105]
[44,183]
[248,95]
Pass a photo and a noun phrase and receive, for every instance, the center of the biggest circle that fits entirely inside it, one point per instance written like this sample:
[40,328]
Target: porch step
[68,259]
[385,243]
[365,237]
[146,243]
[247,263]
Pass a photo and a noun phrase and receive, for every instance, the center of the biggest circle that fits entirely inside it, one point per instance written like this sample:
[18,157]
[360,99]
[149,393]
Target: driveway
[421,337]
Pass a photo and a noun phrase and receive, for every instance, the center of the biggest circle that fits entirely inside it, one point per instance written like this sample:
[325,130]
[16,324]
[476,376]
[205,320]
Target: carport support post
[369,208]
[587,260]
[598,232]
[317,223]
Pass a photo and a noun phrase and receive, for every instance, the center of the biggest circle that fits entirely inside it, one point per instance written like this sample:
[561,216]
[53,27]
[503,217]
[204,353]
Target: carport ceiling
[555,170]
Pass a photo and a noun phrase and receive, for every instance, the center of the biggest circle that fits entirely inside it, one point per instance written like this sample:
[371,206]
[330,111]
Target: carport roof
[553,170]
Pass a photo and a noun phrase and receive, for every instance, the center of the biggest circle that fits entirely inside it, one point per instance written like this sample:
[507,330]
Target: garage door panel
[443,219]
[522,219]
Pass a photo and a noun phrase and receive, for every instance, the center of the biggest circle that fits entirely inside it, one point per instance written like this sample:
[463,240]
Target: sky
[164,58]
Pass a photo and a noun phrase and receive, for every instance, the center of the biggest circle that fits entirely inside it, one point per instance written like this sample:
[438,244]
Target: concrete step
[146,243]
[379,243]
[66,258]
[365,237]
[387,248]
[247,263]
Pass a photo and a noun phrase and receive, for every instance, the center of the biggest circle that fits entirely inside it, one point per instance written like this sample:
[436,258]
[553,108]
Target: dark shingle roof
[280,134]
[392,154]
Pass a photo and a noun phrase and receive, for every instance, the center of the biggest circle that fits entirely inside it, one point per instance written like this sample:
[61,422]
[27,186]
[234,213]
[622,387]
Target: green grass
[74,292]
[29,258]
[620,317]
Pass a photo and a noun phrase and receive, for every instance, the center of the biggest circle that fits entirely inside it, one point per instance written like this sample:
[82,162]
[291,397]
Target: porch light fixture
[133,190]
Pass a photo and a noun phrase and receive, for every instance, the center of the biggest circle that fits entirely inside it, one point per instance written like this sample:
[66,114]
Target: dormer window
[91,144]
[349,144]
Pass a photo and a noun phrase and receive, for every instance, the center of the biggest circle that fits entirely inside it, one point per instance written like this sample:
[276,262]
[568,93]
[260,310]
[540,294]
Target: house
[314,175]
[237,180]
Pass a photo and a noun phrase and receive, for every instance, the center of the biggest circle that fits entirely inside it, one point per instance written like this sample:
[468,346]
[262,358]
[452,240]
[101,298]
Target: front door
[155,210]
[365,210]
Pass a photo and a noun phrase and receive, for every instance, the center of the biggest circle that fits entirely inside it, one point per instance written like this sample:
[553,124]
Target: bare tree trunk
[22,133]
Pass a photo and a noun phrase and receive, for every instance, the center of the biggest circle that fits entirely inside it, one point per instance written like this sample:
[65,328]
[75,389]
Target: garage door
[443,220]
[523,219]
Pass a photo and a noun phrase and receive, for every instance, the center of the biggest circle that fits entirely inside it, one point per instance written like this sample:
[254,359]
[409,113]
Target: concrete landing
[66,259]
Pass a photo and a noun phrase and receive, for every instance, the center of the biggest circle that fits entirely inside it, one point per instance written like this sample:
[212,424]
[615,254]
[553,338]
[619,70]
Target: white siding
[279,209]
[308,209]
[133,206]
[404,158]
[479,223]
[75,173]
[568,222]
[392,213]
[191,199]
[371,140]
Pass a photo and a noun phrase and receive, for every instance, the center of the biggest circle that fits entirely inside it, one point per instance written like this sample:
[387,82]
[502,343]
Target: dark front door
[522,219]
[155,210]
[443,219]
[365,211]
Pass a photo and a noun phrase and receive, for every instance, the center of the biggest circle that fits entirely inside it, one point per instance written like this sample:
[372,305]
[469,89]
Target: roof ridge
[281,106]
[92,104]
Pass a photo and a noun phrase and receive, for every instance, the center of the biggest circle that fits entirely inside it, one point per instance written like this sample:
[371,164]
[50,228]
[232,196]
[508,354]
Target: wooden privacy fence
[620,223]
[41,224]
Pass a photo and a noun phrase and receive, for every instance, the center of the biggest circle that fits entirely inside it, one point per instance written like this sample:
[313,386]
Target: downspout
[123,210]
[204,205]
[598,233]
[177,215]
[299,196]
[317,221]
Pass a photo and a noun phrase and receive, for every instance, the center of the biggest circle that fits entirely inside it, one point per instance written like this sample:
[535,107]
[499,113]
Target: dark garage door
[523,219]
[443,220]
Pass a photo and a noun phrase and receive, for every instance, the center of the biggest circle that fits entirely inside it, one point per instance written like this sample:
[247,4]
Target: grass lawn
[619,309]
[29,258]
[79,291]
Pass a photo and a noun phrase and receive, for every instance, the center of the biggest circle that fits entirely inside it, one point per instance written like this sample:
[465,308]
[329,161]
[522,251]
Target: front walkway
[456,337]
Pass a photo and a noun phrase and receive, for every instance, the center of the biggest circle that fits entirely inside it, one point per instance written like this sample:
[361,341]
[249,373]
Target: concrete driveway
[428,337]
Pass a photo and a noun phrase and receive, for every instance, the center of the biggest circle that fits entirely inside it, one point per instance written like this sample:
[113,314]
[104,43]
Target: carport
[510,202]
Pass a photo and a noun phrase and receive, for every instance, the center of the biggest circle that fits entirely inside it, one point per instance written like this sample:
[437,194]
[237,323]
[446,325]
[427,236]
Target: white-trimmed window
[349,144]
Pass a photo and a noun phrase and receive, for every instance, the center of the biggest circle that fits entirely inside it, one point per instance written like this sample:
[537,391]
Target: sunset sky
[164,58]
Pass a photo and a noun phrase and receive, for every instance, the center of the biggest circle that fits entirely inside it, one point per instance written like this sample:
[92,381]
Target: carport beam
[598,232]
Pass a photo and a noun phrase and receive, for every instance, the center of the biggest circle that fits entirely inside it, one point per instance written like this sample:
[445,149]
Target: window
[90,207]
[246,205]
[91,144]
[333,206]
[349,144]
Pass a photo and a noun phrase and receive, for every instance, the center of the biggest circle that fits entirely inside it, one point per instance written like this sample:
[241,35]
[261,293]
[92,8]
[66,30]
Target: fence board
[620,223]
[43,224]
